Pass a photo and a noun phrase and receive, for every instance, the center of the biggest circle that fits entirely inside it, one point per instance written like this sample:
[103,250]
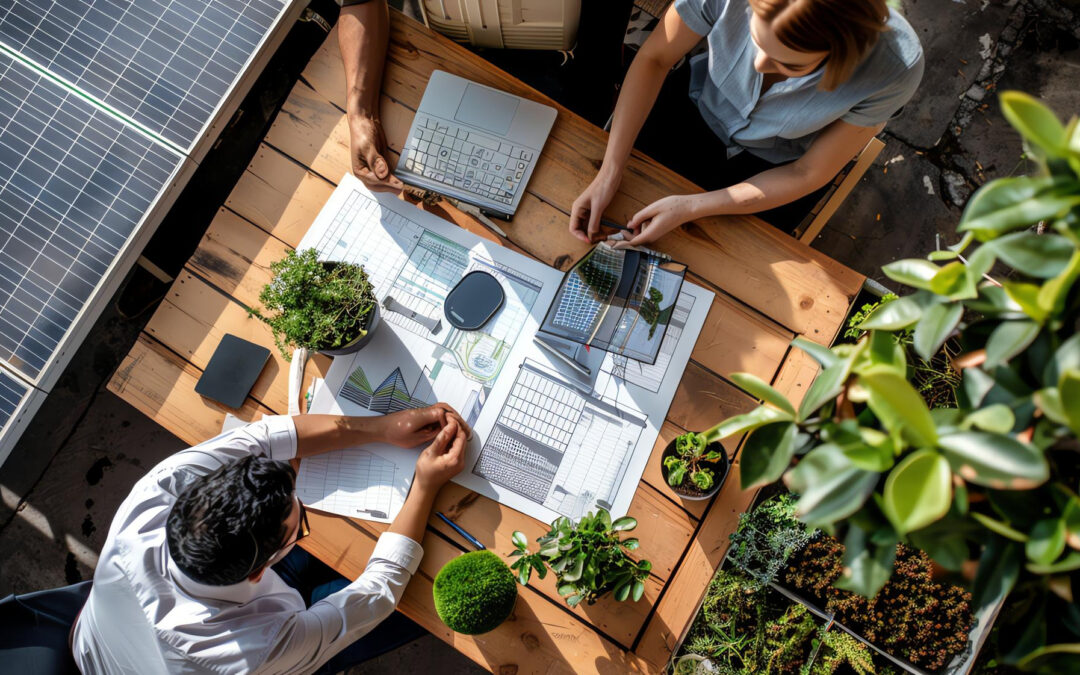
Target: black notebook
[232,371]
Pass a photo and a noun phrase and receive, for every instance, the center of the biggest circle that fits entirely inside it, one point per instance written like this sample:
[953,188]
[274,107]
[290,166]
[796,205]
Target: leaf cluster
[315,304]
[766,539]
[993,476]
[589,558]
[692,461]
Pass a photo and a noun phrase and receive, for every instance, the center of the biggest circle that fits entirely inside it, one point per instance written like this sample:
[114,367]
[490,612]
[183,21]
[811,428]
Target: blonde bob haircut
[846,29]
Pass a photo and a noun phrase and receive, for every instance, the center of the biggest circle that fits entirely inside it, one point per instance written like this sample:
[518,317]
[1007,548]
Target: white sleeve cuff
[281,436]
[398,549]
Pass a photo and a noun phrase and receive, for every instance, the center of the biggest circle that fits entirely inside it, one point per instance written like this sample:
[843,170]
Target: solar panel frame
[164,64]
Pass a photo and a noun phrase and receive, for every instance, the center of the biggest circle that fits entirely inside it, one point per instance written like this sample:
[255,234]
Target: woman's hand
[659,218]
[443,459]
[367,150]
[410,428]
[589,207]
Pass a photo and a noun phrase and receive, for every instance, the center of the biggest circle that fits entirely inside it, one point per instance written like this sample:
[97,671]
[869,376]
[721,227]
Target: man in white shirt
[184,582]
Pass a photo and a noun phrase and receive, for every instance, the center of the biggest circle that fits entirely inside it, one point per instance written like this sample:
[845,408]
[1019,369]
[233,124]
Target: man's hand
[410,428]
[443,459]
[367,150]
[659,218]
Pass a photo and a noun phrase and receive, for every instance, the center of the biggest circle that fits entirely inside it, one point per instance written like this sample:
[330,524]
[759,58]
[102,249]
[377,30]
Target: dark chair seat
[34,630]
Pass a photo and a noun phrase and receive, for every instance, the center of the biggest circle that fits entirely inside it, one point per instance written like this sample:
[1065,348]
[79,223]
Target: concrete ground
[86,447]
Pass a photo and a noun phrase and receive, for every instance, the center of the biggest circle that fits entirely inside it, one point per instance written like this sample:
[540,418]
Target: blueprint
[547,440]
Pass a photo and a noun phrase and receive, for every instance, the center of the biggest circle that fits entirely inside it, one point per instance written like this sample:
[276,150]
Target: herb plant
[315,304]
[588,558]
[767,537]
[692,460]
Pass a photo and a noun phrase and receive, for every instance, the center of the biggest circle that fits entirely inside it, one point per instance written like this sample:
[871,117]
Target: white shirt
[145,616]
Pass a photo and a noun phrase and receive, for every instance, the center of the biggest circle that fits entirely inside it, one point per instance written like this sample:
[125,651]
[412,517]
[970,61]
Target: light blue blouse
[780,125]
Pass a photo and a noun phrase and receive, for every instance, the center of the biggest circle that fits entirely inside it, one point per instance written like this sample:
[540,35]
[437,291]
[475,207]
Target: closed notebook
[232,371]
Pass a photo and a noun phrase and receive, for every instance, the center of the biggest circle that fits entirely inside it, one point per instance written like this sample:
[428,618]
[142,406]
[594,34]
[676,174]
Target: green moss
[474,593]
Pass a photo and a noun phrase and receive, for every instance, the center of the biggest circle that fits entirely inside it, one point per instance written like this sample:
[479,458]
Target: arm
[827,155]
[363,33]
[406,429]
[671,40]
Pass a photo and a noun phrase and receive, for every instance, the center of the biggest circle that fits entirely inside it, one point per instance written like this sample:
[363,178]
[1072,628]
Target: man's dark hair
[228,524]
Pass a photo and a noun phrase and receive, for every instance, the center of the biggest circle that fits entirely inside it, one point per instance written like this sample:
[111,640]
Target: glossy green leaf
[624,524]
[767,453]
[1069,563]
[943,254]
[899,406]
[1037,255]
[758,388]
[918,491]
[1000,528]
[1026,296]
[998,418]
[826,386]
[1046,541]
[946,548]
[1053,658]
[1009,339]
[1067,357]
[914,272]
[1035,122]
[1049,402]
[937,323]
[819,353]
[995,460]
[757,417]
[831,488]
[1007,204]
[1053,293]
[867,567]
[520,540]
[1069,390]
[899,313]
[999,567]
[953,281]
[622,591]
[1071,515]
[638,590]
[878,457]
[883,350]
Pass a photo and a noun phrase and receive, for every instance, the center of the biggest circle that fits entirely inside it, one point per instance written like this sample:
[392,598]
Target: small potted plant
[322,306]
[589,558]
[695,464]
[474,593]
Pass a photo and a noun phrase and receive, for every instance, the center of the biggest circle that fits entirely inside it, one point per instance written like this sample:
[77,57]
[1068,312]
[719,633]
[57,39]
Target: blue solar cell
[165,63]
[12,392]
[75,182]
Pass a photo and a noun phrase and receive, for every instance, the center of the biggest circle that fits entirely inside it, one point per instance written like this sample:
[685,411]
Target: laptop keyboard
[483,165]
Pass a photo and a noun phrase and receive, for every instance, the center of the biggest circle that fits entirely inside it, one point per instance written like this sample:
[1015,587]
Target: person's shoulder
[898,47]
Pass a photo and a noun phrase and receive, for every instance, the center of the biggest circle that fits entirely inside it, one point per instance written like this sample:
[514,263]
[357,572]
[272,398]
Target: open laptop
[474,143]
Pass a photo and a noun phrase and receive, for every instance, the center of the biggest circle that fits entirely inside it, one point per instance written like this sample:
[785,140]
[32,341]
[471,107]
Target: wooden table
[768,287]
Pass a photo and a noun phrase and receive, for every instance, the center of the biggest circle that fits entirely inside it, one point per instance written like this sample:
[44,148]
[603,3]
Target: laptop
[474,143]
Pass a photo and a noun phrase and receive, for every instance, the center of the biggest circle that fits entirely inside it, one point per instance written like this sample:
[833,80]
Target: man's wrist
[358,104]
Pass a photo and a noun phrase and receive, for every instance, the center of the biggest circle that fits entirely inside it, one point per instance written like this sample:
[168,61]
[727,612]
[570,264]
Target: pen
[457,528]
[611,223]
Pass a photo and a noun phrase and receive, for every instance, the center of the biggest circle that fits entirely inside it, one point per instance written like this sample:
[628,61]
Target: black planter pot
[357,344]
[688,490]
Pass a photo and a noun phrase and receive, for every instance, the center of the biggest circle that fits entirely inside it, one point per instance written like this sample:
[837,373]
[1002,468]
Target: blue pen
[457,528]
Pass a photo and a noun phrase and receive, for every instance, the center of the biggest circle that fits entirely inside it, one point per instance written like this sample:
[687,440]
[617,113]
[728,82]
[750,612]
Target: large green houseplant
[993,479]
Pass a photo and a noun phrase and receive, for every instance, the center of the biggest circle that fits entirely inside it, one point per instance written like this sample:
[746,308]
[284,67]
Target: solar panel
[166,64]
[12,392]
[75,182]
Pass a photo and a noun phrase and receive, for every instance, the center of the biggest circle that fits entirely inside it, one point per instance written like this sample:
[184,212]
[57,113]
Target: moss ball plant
[474,593]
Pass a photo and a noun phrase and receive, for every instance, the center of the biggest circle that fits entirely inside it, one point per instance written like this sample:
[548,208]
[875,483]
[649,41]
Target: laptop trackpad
[487,109]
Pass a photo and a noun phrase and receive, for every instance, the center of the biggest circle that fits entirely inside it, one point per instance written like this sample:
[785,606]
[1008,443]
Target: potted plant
[322,306]
[474,593]
[588,558]
[695,464]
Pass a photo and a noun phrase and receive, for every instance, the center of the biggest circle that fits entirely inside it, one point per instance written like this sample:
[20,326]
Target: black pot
[688,490]
[357,344]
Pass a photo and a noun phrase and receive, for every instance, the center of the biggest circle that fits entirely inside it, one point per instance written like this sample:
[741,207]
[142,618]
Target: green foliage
[588,558]
[693,461]
[854,329]
[474,592]
[766,538]
[838,649]
[912,616]
[315,304]
[952,423]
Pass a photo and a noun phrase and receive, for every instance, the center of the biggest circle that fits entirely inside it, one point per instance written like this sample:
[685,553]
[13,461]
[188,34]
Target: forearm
[761,192]
[323,433]
[639,91]
[363,33]
[411,520]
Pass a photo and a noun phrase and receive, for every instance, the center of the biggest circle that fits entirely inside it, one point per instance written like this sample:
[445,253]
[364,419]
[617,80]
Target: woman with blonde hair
[786,93]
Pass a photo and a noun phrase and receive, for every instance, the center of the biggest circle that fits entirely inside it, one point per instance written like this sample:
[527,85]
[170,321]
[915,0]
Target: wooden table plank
[803,289]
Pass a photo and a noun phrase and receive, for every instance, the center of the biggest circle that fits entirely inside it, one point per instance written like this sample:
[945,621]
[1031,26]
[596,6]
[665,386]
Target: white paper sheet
[547,441]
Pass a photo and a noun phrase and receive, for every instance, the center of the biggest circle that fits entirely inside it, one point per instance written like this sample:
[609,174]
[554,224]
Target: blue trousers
[315,580]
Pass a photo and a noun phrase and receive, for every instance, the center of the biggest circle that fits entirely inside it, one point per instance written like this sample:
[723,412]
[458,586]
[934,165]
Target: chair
[841,187]
[36,626]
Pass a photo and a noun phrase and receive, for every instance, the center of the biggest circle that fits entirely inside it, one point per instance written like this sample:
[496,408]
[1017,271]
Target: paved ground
[77,461]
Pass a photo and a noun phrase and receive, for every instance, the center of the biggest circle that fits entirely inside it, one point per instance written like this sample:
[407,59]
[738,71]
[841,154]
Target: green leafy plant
[315,304]
[853,330]
[589,558]
[474,592]
[766,538]
[993,477]
[693,461]
[838,649]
